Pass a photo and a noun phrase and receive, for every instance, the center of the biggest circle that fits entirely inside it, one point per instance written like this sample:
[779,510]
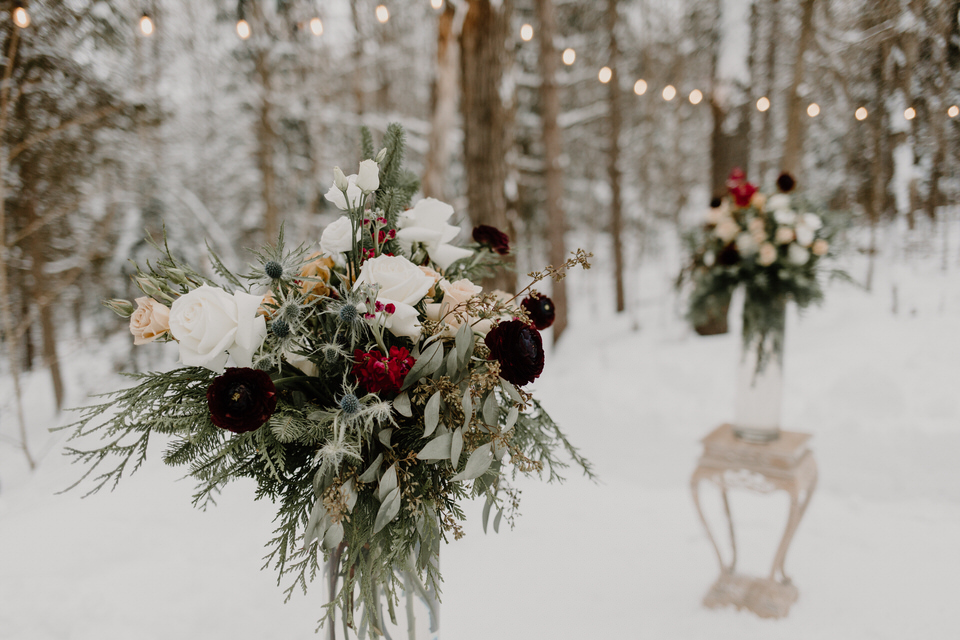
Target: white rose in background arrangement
[758,230]
[820,247]
[427,223]
[401,283]
[368,180]
[807,226]
[746,245]
[209,323]
[768,255]
[727,229]
[779,202]
[335,195]
[785,216]
[716,214]
[797,254]
[335,239]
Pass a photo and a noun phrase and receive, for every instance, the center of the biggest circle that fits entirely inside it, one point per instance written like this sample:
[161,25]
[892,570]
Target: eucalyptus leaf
[402,405]
[333,536]
[428,362]
[456,446]
[464,344]
[436,449]
[511,390]
[477,464]
[315,524]
[384,436]
[388,482]
[496,521]
[467,407]
[452,364]
[431,415]
[512,416]
[371,473]
[491,409]
[499,451]
[486,512]
[389,509]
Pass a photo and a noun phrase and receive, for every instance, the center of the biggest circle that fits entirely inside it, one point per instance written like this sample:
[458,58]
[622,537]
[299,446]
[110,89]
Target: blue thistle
[349,404]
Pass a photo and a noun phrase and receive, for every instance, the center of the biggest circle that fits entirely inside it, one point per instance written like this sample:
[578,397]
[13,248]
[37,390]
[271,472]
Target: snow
[875,557]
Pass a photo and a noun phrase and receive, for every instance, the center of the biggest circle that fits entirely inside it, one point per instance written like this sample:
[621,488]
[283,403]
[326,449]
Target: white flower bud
[339,180]
[368,178]
[381,155]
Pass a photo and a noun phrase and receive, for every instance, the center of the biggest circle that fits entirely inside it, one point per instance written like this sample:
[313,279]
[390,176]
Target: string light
[953,111]
[910,113]
[526,33]
[669,92]
[569,56]
[605,75]
[813,110]
[20,17]
[243,29]
[316,26]
[763,104]
[383,14]
[640,87]
[436,4]
[146,25]
[696,96]
[861,113]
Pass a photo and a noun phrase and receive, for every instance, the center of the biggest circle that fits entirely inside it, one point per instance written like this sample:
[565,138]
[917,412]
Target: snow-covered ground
[876,556]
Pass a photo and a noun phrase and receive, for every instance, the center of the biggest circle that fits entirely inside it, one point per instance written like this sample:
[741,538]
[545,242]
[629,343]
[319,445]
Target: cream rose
[335,239]
[768,255]
[210,323]
[746,245]
[436,278]
[797,254]
[150,321]
[402,283]
[368,179]
[784,235]
[427,223]
[807,226]
[727,229]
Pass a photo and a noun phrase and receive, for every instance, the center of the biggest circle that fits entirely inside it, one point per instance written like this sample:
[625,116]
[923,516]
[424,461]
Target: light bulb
[813,110]
[861,113]
[953,111]
[569,56]
[383,14]
[316,26]
[763,103]
[605,75]
[146,25]
[243,29]
[21,18]
[910,113]
[640,87]
[526,33]
[695,96]
[669,92]
[436,4]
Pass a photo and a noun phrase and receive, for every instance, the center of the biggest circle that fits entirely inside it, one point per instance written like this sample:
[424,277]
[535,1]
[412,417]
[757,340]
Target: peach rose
[269,306]
[758,200]
[785,235]
[150,321]
[319,268]
[432,293]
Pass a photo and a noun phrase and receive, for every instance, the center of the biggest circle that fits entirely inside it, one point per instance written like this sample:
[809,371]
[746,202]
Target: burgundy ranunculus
[785,182]
[519,349]
[742,194]
[729,256]
[241,399]
[540,309]
[493,238]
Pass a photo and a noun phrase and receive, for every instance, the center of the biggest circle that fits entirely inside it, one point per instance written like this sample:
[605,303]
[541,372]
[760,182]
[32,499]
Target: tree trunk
[482,64]
[444,105]
[770,69]
[552,147]
[727,100]
[613,154]
[266,141]
[357,71]
[793,145]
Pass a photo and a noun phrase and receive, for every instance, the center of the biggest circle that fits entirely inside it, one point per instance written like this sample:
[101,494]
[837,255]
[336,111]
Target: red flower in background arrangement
[376,372]
[519,349]
[493,238]
[241,399]
[736,178]
[541,310]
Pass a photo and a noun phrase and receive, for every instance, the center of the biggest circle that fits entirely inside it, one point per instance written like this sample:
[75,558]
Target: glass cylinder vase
[756,414]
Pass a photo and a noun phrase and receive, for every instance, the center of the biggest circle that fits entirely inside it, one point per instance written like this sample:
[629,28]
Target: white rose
[150,321]
[807,226]
[335,195]
[209,323]
[402,283]
[335,239]
[779,202]
[797,254]
[746,245]
[785,216]
[368,180]
[426,223]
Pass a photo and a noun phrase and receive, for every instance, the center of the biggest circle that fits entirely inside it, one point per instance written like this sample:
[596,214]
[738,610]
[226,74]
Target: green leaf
[402,405]
[464,344]
[371,473]
[496,521]
[431,415]
[317,524]
[333,536]
[388,482]
[512,416]
[452,368]
[511,390]
[477,464]
[384,436]
[491,409]
[486,511]
[456,446]
[436,449]
[389,509]
[428,362]
[467,408]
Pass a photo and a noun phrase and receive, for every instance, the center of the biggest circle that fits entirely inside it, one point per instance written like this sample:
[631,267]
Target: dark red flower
[785,182]
[540,309]
[241,399]
[376,372]
[519,349]
[742,193]
[729,256]
[493,238]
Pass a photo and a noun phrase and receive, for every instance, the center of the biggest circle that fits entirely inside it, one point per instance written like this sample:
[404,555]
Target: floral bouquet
[374,387]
